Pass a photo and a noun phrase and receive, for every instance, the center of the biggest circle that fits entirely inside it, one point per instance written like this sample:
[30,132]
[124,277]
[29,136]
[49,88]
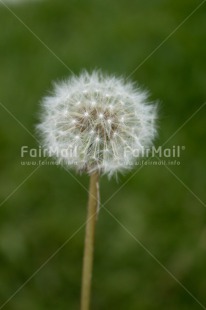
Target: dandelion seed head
[100,117]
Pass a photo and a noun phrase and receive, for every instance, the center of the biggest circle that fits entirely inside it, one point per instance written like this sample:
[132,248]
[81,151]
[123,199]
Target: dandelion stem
[89,241]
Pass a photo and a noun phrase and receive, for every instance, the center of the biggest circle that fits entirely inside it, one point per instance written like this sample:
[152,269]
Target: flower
[94,122]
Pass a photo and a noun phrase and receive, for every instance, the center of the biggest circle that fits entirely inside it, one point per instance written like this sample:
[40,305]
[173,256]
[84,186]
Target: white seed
[84,111]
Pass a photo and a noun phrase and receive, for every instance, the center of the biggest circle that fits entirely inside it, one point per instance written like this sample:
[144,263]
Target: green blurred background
[42,213]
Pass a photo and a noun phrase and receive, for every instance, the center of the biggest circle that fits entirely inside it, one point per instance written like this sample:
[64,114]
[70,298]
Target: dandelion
[103,120]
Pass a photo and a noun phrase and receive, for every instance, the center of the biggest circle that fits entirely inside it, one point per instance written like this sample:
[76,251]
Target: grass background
[154,206]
